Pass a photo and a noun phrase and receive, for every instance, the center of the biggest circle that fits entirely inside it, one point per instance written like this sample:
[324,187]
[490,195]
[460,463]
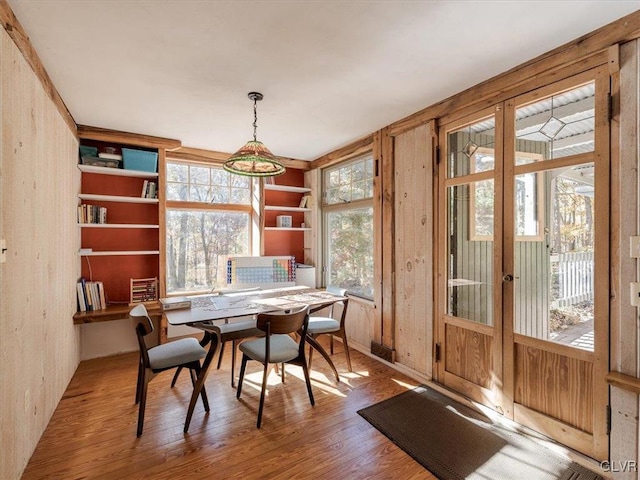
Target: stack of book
[92,214]
[90,296]
[149,189]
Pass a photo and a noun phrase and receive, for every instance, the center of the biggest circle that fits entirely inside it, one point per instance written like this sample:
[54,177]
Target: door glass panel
[554,287]
[468,148]
[470,251]
[557,126]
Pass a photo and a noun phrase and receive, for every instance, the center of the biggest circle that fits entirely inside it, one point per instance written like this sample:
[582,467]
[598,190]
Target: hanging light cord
[255,119]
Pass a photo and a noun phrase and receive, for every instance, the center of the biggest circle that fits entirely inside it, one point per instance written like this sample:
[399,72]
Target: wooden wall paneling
[312,251]
[162,242]
[601,247]
[538,388]
[376,337]
[625,223]
[387,226]
[413,249]
[359,324]
[39,181]
[475,365]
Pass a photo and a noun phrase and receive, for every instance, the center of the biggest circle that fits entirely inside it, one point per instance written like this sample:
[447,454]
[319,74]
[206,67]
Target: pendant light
[254,159]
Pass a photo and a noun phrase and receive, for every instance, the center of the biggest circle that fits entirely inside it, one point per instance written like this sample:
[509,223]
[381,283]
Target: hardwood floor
[93,431]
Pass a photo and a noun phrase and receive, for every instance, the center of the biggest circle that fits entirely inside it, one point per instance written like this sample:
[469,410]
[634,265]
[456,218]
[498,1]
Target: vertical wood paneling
[39,182]
[555,385]
[413,236]
[359,323]
[624,195]
[468,355]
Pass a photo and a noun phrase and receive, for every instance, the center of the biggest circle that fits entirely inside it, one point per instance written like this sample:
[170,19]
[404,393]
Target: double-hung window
[208,217]
[348,225]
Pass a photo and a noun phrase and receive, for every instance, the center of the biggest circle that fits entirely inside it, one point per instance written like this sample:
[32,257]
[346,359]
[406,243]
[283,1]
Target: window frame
[328,208]
[195,206]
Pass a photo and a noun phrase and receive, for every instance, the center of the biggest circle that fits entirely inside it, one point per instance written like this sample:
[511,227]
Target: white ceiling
[330,71]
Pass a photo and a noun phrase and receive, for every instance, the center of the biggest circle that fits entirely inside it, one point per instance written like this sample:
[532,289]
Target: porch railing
[572,278]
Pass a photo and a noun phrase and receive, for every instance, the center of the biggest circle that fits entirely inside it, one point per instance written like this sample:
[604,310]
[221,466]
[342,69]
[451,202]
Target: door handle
[507,278]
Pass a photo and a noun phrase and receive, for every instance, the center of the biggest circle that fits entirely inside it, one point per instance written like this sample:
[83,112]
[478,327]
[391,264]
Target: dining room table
[230,315]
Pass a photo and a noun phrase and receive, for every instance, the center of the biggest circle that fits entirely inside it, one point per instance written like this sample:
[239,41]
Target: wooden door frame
[476,392]
[596,444]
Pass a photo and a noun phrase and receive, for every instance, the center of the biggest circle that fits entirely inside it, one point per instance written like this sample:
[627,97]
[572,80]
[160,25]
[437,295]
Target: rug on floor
[453,441]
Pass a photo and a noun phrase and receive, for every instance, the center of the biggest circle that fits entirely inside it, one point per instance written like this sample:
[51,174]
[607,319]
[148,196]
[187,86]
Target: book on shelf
[92,214]
[82,304]
[149,189]
[305,201]
[91,295]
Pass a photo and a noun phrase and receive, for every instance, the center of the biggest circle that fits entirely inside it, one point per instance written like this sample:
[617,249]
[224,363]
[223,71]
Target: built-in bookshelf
[126,245]
[300,193]
[286,196]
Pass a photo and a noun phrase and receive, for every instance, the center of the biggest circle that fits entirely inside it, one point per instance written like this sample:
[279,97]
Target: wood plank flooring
[93,431]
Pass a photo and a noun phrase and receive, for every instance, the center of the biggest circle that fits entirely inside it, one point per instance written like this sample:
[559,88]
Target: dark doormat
[453,441]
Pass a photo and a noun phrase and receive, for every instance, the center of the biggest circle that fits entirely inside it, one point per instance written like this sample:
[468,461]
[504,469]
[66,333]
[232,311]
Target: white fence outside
[572,278]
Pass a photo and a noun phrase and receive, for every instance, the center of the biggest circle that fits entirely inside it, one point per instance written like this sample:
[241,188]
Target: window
[208,218]
[348,226]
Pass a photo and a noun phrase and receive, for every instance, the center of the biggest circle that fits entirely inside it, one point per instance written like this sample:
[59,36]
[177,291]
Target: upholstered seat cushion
[175,353]
[283,349]
[322,325]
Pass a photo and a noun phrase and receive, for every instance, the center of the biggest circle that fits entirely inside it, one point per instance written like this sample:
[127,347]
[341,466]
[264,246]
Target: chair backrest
[143,326]
[296,321]
[344,303]
[283,323]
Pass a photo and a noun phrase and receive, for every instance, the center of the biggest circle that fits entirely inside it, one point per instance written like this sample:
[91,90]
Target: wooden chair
[331,326]
[186,353]
[277,346]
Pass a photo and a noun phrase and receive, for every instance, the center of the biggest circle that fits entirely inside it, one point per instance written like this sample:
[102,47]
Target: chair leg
[143,401]
[221,354]
[283,373]
[242,369]
[331,343]
[308,381]
[139,382]
[233,363]
[311,353]
[175,376]
[264,388]
[203,393]
[345,345]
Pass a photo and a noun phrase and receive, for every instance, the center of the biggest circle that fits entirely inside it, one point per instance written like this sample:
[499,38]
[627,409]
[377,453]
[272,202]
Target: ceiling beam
[211,156]
[115,136]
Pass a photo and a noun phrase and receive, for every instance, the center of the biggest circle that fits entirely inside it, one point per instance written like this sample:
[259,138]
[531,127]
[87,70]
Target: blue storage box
[140,160]
[86,151]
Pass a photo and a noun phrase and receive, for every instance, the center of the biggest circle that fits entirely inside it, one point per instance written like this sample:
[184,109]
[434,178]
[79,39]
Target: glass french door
[523,259]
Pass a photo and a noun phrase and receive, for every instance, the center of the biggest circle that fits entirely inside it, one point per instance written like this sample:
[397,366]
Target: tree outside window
[348,231]
[208,218]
